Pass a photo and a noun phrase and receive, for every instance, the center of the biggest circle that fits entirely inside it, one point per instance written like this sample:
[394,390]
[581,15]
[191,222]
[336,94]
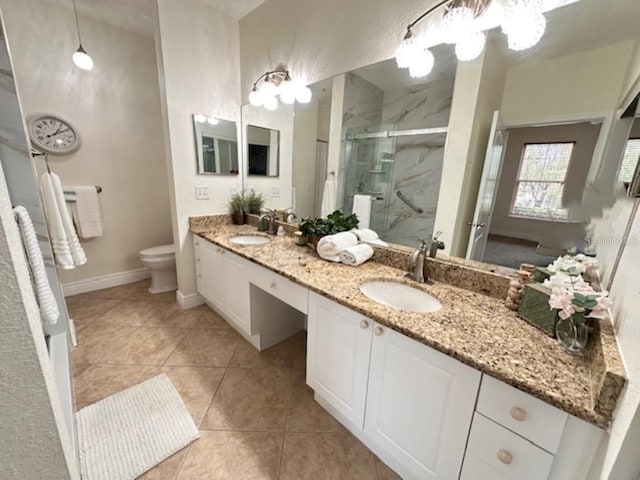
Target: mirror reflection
[503,154]
[216,145]
[263,151]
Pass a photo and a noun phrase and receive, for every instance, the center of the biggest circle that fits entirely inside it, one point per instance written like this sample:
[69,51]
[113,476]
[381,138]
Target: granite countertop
[476,329]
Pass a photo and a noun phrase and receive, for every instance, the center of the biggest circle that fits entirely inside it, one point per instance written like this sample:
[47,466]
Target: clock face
[53,135]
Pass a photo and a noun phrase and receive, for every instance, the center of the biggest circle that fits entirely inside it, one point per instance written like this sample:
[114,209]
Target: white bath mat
[126,434]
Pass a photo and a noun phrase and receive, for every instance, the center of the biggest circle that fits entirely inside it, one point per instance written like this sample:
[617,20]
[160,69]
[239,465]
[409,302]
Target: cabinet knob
[505,456]
[364,324]
[198,259]
[199,275]
[378,331]
[518,414]
[272,285]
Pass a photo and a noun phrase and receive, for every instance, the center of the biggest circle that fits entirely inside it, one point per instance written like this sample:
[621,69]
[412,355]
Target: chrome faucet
[270,215]
[435,245]
[416,263]
[287,215]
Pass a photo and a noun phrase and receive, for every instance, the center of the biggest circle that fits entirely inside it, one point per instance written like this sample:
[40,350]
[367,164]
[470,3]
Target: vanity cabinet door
[237,299]
[199,254]
[338,348]
[419,406]
[214,275]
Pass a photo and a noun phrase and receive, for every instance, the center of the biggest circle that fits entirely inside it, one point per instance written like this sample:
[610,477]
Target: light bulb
[82,60]
[255,98]
[268,89]
[523,24]
[288,92]
[406,50]
[271,103]
[199,118]
[470,46]
[212,121]
[303,94]
[456,23]
[422,64]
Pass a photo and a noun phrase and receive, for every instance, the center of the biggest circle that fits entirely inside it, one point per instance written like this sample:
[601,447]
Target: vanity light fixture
[81,58]
[278,83]
[523,24]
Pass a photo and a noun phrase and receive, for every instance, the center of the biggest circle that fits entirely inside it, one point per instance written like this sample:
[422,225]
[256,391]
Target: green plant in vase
[255,202]
[238,205]
[316,228]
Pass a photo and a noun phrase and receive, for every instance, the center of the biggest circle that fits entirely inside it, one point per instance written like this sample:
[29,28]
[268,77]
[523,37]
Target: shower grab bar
[398,133]
[412,205]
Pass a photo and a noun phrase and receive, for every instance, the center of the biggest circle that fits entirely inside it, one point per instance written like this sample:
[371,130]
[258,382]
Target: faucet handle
[423,244]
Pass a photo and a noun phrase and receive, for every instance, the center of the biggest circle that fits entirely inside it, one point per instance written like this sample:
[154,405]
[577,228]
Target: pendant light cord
[75,12]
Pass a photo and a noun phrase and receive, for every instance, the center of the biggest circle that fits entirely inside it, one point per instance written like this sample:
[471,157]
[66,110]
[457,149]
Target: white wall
[116,108]
[197,48]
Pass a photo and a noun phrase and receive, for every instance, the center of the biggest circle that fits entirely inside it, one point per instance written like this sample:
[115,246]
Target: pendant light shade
[81,58]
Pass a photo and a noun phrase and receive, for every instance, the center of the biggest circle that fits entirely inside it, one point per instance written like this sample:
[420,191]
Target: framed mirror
[263,151]
[216,145]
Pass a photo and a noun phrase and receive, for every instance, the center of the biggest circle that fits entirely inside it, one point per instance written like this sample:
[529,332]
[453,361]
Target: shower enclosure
[401,171]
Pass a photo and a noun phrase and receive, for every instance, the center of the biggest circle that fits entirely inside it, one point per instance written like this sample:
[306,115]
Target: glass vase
[573,332]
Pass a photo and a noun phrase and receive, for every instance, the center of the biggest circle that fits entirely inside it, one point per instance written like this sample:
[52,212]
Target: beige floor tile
[196,386]
[137,313]
[384,472]
[208,318]
[200,317]
[326,456]
[299,350]
[305,415]
[92,309]
[206,348]
[94,347]
[248,356]
[250,399]
[145,346]
[78,368]
[100,381]
[168,469]
[233,456]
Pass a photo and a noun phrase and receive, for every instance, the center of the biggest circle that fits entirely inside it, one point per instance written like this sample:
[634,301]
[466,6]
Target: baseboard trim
[189,301]
[105,281]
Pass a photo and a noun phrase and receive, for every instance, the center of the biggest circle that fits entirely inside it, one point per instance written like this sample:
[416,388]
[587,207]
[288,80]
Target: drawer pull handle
[272,285]
[378,331]
[518,414]
[364,324]
[198,259]
[504,456]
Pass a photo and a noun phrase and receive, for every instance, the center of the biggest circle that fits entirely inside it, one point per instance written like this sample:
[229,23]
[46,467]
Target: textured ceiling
[137,15]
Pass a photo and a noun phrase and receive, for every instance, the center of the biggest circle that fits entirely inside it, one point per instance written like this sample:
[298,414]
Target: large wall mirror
[263,151]
[216,145]
[503,154]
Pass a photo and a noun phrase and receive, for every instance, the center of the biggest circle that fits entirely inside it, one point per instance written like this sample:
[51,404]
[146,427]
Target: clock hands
[58,132]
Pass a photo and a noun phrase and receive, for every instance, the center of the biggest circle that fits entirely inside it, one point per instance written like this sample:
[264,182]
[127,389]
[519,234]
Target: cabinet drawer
[527,416]
[495,453]
[281,288]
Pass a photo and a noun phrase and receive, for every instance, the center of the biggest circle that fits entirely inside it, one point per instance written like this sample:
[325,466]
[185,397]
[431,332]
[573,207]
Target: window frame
[517,181]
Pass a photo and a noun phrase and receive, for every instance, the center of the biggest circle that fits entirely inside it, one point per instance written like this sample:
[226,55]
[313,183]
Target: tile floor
[257,417]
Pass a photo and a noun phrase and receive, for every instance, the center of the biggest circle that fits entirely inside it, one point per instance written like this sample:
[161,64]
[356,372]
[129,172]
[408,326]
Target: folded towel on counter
[331,246]
[46,301]
[369,236]
[356,255]
[86,211]
[362,208]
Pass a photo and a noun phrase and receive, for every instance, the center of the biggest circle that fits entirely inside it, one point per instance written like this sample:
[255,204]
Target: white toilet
[161,262]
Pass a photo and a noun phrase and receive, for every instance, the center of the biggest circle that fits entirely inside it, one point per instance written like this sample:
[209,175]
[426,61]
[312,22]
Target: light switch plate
[202,192]
[275,192]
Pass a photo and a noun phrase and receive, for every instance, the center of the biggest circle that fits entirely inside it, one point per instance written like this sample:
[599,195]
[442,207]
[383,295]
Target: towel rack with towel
[69,196]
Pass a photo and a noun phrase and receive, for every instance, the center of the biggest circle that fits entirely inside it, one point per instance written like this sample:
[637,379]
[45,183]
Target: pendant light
[81,58]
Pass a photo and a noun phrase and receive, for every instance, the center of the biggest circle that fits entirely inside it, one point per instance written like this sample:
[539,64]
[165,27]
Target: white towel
[331,246]
[362,208]
[356,255]
[48,306]
[86,211]
[369,236]
[328,197]
[66,246]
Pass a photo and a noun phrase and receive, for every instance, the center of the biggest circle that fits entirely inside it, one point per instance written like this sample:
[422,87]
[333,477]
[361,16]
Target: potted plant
[238,204]
[316,228]
[255,202]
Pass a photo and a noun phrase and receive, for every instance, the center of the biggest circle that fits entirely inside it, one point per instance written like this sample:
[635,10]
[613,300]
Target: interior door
[488,189]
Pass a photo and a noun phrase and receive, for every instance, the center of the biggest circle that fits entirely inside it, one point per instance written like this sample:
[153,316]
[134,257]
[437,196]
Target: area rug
[130,432]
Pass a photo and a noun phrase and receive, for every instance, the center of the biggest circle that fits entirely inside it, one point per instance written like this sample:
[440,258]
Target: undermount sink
[400,296]
[250,239]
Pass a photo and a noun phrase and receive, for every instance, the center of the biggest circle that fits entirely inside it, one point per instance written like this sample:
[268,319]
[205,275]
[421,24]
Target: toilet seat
[155,253]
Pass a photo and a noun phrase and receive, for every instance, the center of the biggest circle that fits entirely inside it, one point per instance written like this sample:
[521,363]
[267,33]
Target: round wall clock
[53,134]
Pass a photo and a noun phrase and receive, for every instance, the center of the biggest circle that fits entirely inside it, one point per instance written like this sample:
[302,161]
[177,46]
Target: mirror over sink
[216,145]
[412,150]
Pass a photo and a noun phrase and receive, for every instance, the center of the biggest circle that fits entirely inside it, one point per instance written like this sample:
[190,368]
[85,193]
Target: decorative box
[535,309]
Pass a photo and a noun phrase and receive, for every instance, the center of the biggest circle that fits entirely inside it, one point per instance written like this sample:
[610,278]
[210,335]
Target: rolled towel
[356,255]
[379,243]
[369,236]
[331,246]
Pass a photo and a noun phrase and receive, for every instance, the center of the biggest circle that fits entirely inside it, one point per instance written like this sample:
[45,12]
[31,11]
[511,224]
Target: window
[540,183]
[629,160]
